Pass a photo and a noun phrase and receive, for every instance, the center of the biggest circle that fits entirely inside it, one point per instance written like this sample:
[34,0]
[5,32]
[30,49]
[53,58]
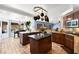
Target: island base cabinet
[41,46]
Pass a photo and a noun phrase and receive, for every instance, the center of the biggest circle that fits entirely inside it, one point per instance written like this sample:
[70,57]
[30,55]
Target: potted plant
[28,23]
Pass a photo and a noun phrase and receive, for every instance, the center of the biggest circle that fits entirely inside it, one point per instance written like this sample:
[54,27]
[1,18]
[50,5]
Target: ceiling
[54,10]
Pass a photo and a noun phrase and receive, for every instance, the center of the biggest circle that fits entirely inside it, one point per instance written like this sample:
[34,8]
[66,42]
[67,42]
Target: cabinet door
[66,18]
[76,15]
[64,21]
[69,42]
[58,38]
[70,16]
[53,38]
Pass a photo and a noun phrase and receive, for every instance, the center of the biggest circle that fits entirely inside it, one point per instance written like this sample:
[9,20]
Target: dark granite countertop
[39,36]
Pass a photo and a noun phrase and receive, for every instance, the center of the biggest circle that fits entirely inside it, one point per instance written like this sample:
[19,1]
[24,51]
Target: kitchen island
[40,44]
[24,39]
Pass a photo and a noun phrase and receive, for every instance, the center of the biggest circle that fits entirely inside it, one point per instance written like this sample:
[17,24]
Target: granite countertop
[39,36]
[28,32]
[67,33]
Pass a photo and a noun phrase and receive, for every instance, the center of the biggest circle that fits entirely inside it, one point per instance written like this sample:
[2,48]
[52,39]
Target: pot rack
[37,8]
[41,16]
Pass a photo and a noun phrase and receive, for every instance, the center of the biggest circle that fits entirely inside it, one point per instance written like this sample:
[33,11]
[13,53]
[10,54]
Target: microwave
[73,23]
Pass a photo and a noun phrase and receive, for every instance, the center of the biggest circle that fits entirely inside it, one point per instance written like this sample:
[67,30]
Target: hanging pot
[46,18]
[35,18]
[42,14]
[38,17]
[42,18]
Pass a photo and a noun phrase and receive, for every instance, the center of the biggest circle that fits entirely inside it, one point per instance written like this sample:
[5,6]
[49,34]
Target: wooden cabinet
[76,15]
[58,38]
[64,21]
[64,39]
[69,42]
[66,18]
[72,16]
[24,39]
[40,46]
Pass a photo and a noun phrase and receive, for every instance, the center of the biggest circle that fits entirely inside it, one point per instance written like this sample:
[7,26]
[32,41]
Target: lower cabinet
[66,40]
[41,46]
[69,42]
[58,38]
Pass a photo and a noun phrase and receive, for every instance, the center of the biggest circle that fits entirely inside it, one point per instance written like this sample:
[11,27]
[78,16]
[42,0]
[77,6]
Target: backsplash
[77,29]
[72,29]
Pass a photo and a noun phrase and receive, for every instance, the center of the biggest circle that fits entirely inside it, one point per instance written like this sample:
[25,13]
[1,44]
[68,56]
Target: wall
[10,17]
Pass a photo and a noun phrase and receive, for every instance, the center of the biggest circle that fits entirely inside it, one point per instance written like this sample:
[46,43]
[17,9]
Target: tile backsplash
[72,29]
[77,29]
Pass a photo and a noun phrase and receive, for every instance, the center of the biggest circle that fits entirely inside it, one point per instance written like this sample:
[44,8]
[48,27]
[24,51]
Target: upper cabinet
[76,15]
[69,17]
[72,16]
